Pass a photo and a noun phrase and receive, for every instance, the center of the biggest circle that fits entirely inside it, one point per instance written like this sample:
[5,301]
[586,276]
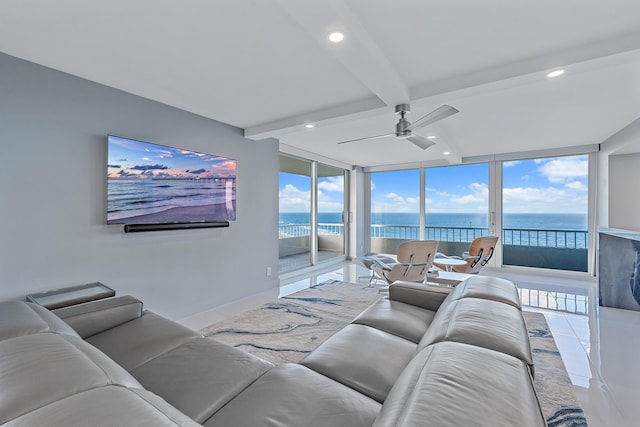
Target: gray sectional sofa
[424,356]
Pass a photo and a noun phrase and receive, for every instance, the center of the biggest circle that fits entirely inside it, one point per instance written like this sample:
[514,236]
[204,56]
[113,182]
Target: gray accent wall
[53,230]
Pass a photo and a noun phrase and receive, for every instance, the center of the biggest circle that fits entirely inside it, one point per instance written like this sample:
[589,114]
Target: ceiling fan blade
[439,113]
[421,142]
[368,137]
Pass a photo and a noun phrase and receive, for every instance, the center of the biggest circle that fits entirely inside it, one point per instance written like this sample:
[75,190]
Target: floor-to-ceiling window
[312,199]
[545,212]
[456,205]
[295,213]
[539,209]
[394,209]
[332,216]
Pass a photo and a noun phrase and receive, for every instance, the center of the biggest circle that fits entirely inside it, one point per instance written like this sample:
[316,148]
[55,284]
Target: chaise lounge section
[426,355]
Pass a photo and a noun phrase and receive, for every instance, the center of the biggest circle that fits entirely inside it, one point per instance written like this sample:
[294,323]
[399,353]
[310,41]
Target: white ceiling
[267,66]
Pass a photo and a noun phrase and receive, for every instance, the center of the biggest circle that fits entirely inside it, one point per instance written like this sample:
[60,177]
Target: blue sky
[553,185]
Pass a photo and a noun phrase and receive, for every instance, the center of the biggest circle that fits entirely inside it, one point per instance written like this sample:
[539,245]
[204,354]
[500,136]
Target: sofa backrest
[94,317]
[490,288]
[20,318]
[50,376]
[482,311]
[483,323]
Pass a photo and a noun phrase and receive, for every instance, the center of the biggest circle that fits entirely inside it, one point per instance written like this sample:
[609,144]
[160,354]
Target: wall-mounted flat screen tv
[149,183]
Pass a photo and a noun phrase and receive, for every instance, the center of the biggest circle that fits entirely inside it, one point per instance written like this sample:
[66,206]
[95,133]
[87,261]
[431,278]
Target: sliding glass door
[312,214]
[395,209]
[295,213]
[332,215]
[456,206]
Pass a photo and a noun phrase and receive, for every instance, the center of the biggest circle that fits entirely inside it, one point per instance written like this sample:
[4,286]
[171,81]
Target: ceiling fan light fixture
[336,37]
[555,73]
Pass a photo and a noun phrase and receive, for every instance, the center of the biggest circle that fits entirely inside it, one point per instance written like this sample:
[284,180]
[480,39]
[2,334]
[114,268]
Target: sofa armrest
[418,294]
[98,316]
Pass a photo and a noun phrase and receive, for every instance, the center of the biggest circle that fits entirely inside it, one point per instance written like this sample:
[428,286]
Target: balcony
[553,249]
[294,243]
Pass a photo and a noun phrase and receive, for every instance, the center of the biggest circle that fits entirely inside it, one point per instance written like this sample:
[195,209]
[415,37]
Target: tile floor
[600,346]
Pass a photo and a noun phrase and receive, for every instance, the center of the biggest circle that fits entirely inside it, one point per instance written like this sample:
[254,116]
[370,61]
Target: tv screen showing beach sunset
[149,183]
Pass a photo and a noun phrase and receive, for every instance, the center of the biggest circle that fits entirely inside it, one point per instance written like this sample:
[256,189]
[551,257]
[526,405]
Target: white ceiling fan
[404,128]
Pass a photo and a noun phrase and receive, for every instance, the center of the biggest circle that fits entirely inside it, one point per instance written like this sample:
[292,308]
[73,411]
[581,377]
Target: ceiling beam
[332,115]
[358,53]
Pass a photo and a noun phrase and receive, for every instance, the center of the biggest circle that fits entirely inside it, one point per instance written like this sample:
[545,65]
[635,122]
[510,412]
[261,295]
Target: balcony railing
[572,239]
[556,249]
[300,230]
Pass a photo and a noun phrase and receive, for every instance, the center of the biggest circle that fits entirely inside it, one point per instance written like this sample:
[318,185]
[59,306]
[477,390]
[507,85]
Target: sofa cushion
[39,369]
[24,318]
[105,406]
[135,343]
[293,395]
[485,287]
[363,358]
[404,320]
[484,323]
[200,376]
[454,384]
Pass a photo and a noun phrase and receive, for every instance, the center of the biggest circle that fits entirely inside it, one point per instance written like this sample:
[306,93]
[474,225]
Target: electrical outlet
[268,271]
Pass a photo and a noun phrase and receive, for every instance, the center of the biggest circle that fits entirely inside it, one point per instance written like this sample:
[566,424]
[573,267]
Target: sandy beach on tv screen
[205,213]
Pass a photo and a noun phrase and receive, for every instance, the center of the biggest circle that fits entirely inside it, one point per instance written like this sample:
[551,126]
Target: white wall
[53,129]
[624,180]
[619,178]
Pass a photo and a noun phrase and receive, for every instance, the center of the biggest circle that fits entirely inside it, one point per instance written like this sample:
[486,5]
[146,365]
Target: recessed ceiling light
[431,137]
[336,37]
[555,73]
[309,125]
[446,153]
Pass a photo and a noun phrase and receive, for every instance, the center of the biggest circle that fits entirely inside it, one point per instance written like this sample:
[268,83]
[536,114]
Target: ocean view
[467,220]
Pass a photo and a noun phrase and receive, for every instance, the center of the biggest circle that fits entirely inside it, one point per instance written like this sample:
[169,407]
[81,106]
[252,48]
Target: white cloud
[328,204]
[473,198]
[332,183]
[479,195]
[544,200]
[576,185]
[293,199]
[561,170]
[393,202]
[510,164]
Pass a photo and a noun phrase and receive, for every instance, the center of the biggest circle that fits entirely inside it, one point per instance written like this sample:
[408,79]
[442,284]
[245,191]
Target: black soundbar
[160,226]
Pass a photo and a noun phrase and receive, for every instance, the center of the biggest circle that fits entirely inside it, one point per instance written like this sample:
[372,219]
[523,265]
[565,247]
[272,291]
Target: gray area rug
[288,329]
